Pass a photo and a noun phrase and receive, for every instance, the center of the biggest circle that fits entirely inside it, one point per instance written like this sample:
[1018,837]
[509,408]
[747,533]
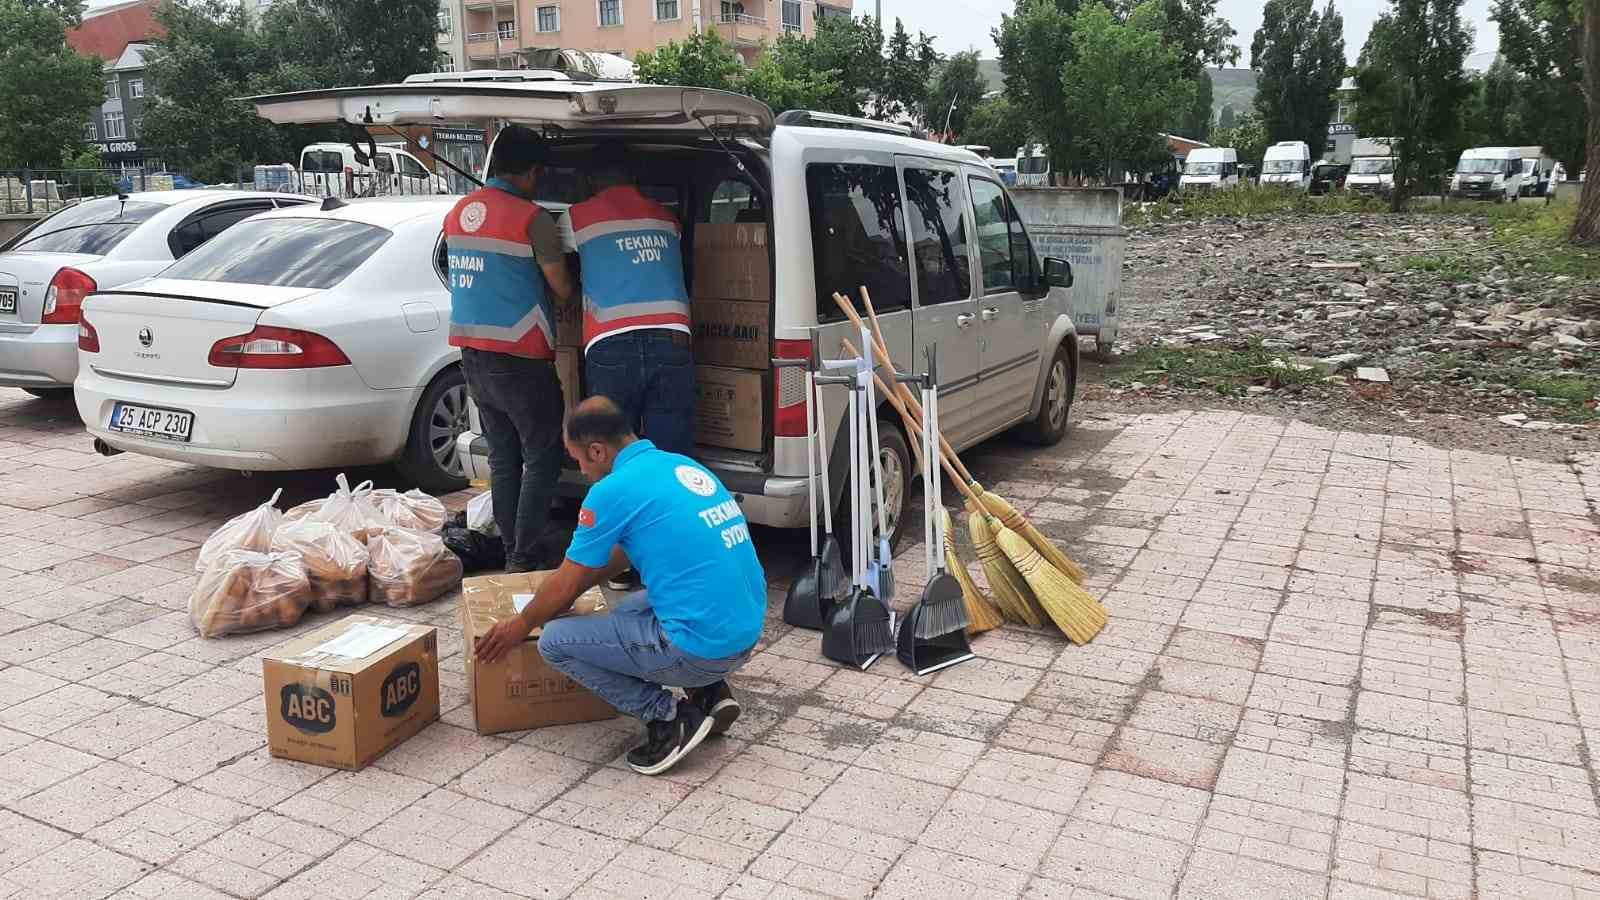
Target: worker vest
[631,249]
[498,298]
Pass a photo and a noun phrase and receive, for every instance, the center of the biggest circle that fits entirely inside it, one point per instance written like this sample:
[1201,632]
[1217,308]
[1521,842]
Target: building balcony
[741,29]
[487,38]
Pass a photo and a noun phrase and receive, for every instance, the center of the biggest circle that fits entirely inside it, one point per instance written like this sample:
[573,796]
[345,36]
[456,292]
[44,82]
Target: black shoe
[717,702]
[666,743]
[626,580]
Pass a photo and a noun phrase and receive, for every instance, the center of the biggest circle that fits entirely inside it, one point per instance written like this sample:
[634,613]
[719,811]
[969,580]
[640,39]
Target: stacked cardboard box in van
[731,308]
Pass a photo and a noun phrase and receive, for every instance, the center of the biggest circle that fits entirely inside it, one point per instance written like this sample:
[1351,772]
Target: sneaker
[666,743]
[626,580]
[717,702]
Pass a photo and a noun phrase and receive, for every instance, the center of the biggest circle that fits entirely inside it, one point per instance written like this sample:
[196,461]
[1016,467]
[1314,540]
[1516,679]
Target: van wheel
[431,460]
[894,458]
[1061,382]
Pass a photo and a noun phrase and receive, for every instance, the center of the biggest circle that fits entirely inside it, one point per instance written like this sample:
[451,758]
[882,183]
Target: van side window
[411,167]
[322,161]
[938,236]
[994,239]
[1026,272]
[857,235]
[734,201]
[384,163]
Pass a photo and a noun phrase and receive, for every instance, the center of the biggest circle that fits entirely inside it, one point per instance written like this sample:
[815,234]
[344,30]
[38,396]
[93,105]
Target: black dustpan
[930,654]
[805,605]
[860,627]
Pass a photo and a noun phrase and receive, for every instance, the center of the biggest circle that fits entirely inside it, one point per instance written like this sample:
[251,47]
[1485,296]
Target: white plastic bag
[349,510]
[335,562]
[480,515]
[247,531]
[405,568]
[413,509]
[245,591]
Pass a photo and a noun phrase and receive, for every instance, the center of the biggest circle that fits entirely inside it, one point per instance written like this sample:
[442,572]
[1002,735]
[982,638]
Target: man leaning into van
[505,264]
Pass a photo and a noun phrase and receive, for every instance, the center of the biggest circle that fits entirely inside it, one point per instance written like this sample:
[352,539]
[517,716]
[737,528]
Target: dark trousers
[520,406]
[650,374]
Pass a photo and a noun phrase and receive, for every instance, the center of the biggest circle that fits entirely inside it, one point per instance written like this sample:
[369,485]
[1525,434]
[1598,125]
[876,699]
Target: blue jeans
[627,659]
[519,403]
[650,374]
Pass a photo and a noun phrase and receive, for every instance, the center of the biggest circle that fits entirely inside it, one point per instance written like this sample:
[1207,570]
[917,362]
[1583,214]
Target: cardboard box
[521,691]
[569,368]
[569,321]
[734,333]
[347,693]
[731,262]
[728,408]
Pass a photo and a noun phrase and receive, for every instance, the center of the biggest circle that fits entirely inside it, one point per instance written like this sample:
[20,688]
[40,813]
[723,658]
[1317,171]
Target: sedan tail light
[265,347]
[88,338]
[789,394]
[63,300]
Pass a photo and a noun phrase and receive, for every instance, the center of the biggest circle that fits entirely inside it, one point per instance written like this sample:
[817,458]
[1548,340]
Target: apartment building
[487,34]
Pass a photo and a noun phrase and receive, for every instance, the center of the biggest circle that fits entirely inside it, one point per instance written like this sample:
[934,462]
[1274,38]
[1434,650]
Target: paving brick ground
[1338,665]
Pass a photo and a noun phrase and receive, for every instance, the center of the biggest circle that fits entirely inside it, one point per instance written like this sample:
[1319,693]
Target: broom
[981,614]
[994,503]
[1012,594]
[1079,616]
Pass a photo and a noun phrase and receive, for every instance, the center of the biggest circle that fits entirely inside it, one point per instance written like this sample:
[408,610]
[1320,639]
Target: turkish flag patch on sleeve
[585,517]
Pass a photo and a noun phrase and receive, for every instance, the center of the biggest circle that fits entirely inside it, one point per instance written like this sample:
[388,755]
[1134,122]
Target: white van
[1210,168]
[1537,167]
[1371,167]
[365,170]
[929,229]
[1488,173]
[1033,166]
[1287,164]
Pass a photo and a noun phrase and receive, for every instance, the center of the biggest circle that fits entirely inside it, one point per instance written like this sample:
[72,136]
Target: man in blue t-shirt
[668,517]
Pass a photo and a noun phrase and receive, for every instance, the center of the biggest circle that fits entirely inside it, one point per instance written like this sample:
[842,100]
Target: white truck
[1371,167]
[1287,164]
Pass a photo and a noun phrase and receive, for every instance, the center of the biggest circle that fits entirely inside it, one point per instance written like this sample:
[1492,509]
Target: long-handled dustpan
[860,628]
[805,605]
[880,570]
[934,633]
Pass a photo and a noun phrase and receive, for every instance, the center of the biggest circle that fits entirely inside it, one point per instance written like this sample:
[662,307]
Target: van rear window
[857,236]
[322,161]
[308,253]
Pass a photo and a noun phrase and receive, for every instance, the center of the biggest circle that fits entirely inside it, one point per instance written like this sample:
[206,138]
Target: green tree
[1035,43]
[1299,52]
[1121,84]
[1542,41]
[1226,118]
[1586,225]
[1248,136]
[1411,88]
[703,59]
[956,91]
[47,91]
[908,66]
[1193,28]
[998,124]
[783,78]
[1196,122]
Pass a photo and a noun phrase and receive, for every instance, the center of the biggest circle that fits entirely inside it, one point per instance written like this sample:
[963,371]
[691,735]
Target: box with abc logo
[346,694]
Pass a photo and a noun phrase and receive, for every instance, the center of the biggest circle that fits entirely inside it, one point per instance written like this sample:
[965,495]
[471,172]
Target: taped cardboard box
[731,262]
[732,333]
[347,693]
[728,408]
[521,691]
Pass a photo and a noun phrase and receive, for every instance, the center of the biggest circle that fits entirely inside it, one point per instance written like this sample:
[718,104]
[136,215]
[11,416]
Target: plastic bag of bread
[246,591]
[405,568]
[247,531]
[413,509]
[349,510]
[335,562]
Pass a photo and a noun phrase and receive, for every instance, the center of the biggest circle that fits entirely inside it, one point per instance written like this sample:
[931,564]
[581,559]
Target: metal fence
[38,191]
[348,183]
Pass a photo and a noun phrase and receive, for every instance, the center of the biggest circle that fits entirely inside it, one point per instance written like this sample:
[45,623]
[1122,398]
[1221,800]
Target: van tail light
[789,394]
[88,338]
[63,300]
[265,347]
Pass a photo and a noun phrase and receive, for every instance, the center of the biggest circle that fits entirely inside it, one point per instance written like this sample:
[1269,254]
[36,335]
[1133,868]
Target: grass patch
[1541,233]
[1573,396]
[1227,371]
[1447,265]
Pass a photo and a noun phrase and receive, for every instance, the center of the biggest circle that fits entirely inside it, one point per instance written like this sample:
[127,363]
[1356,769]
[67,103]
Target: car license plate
[8,300]
[149,421]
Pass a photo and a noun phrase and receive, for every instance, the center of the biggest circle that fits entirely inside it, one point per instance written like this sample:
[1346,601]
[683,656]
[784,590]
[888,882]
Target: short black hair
[611,164]
[598,419]
[517,149]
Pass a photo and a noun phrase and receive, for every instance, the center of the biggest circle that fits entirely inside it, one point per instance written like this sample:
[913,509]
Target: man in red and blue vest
[506,265]
[635,304]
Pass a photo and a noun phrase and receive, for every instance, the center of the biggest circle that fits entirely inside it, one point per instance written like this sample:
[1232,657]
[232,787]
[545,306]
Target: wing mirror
[1057,272]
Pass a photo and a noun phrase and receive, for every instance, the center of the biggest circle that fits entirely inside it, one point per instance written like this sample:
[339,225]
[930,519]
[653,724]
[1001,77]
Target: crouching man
[673,521]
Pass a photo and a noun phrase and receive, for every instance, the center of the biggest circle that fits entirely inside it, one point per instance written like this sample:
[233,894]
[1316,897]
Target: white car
[46,271]
[304,338]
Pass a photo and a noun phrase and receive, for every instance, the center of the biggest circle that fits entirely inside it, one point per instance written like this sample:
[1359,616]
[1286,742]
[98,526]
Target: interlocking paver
[93,796]
[257,854]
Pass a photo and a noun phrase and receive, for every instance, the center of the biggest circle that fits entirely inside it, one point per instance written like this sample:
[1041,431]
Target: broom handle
[849,310]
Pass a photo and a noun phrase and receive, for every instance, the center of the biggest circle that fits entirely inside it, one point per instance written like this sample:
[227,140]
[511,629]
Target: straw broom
[1079,616]
[994,503]
[1011,592]
[981,613]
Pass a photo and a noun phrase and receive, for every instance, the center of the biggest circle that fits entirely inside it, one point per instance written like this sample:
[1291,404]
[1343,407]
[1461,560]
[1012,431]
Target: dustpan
[934,633]
[860,627]
[807,603]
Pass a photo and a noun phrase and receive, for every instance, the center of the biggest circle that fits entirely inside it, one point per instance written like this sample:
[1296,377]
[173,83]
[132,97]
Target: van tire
[419,464]
[1049,425]
[891,442]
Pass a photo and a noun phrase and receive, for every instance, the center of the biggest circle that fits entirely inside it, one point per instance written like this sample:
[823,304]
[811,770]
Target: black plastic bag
[478,552]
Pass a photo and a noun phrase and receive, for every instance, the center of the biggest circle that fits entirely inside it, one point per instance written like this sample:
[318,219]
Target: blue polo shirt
[689,541]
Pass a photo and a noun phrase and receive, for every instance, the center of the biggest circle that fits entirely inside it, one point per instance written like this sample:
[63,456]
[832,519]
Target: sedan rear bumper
[267,421]
[38,356]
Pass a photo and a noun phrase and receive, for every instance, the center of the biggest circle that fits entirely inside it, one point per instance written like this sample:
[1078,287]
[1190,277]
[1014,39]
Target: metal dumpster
[1084,227]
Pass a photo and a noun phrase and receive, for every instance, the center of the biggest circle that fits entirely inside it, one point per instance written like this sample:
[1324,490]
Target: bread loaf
[406,567]
[245,591]
[335,562]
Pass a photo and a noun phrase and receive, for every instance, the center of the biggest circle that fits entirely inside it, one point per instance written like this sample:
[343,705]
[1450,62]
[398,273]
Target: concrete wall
[12,225]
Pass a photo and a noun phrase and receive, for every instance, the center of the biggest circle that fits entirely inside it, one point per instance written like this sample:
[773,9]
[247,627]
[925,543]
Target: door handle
[964,320]
[991,313]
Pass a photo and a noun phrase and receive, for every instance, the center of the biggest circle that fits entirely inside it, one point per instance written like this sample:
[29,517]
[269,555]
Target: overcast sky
[964,24]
